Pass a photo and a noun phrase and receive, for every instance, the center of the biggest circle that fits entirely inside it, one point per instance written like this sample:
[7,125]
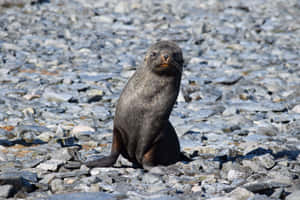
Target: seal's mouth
[164,65]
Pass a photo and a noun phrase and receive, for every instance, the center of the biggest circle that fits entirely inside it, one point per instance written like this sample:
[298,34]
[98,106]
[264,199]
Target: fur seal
[142,132]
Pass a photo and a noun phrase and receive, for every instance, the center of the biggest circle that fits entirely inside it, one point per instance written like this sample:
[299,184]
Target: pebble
[241,194]
[50,165]
[293,196]
[6,191]
[82,196]
[65,63]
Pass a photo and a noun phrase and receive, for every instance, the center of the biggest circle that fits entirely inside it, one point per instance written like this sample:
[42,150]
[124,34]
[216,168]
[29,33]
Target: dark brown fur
[142,132]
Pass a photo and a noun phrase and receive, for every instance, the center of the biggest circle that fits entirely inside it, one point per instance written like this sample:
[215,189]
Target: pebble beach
[63,65]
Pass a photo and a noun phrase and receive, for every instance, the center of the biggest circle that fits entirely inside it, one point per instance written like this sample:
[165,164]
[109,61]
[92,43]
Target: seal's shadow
[290,154]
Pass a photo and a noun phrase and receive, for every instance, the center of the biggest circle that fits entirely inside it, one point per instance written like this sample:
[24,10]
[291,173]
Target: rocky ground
[64,63]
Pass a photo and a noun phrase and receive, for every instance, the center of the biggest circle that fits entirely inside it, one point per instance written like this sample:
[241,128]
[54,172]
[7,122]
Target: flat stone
[263,185]
[83,196]
[57,97]
[18,180]
[240,194]
[6,191]
[50,165]
[82,129]
[296,109]
[228,80]
[57,185]
[293,196]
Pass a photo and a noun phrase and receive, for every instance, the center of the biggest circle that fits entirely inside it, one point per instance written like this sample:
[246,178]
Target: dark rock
[83,196]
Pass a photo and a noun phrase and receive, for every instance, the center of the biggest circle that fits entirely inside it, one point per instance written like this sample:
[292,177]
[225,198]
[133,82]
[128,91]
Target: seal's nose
[165,57]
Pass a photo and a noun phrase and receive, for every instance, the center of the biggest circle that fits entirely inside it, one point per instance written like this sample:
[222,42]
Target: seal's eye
[153,54]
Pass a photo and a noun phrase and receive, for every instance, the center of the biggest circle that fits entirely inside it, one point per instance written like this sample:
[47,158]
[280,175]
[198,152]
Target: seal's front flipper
[103,161]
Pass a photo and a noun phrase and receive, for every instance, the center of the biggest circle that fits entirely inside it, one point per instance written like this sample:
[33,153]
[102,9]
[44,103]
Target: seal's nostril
[166,56]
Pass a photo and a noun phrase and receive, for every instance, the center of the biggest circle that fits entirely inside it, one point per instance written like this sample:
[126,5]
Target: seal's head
[164,56]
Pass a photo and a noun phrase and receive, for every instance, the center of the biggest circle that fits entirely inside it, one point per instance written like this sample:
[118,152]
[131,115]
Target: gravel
[64,63]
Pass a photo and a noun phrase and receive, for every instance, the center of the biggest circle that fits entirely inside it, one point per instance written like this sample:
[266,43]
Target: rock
[122,7]
[57,97]
[267,161]
[222,198]
[61,155]
[94,95]
[82,130]
[228,80]
[296,109]
[240,194]
[57,185]
[51,165]
[6,191]
[64,65]
[82,196]
[151,178]
[259,186]
[293,196]
[16,181]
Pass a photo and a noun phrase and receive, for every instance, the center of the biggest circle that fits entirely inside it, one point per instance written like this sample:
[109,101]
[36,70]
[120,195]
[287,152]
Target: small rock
[258,185]
[57,97]
[222,198]
[57,185]
[50,165]
[61,154]
[30,97]
[196,188]
[83,196]
[296,109]
[151,178]
[228,80]
[82,129]
[6,191]
[267,161]
[240,194]
[293,196]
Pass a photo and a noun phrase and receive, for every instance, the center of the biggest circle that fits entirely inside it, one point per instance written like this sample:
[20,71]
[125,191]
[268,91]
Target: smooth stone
[61,154]
[57,97]
[50,165]
[30,97]
[46,179]
[254,166]
[122,7]
[46,136]
[6,191]
[83,196]
[82,130]
[103,19]
[240,194]
[95,171]
[296,109]
[57,185]
[235,174]
[265,185]
[75,173]
[293,196]
[31,128]
[94,77]
[151,178]
[222,198]
[267,161]
[94,95]
[18,181]
[100,112]
[228,80]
